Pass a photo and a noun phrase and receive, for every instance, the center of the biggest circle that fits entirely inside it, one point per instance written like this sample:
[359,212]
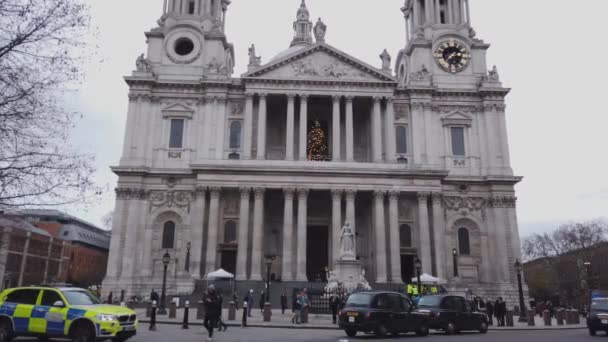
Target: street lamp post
[589,284]
[455,258]
[418,265]
[269,260]
[188,246]
[166,261]
[522,306]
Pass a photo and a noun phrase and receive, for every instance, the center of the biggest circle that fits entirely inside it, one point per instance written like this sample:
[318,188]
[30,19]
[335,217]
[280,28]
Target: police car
[47,312]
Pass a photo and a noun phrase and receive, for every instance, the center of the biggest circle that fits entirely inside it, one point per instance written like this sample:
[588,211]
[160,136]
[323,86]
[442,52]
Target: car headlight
[106,318]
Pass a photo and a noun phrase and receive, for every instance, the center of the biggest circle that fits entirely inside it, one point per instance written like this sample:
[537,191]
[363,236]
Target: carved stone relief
[171,199]
[320,65]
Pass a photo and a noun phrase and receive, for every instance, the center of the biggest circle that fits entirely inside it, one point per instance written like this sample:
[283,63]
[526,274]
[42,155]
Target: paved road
[167,333]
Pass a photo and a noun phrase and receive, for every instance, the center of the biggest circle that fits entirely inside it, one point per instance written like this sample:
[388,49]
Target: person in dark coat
[110,298]
[250,302]
[212,310]
[500,310]
[262,301]
[296,307]
[154,296]
[220,321]
[235,299]
[283,302]
[490,312]
[334,304]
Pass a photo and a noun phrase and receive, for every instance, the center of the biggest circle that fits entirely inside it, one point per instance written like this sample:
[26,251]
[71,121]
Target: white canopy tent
[220,274]
[427,279]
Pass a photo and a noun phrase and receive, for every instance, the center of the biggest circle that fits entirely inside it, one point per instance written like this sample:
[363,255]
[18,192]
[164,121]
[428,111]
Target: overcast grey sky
[551,52]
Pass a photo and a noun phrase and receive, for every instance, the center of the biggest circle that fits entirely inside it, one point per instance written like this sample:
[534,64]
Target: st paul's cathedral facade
[224,172]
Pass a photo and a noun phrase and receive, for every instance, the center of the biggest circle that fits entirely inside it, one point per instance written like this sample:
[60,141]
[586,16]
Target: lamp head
[166,258]
[418,264]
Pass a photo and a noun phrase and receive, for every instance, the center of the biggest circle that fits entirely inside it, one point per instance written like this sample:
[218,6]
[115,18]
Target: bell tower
[190,43]
[302,27]
[441,48]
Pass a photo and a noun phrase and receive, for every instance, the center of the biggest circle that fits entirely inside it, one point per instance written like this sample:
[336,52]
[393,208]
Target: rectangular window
[191,7]
[176,138]
[458,148]
[401,133]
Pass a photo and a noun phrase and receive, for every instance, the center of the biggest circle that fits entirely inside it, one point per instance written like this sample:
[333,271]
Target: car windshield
[358,300]
[600,304]
[80,297]
[429,302]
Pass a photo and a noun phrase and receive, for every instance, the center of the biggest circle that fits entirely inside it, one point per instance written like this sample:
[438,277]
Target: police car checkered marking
[21,324]
[40,312]
[8,309]
[55,328]
[75,313]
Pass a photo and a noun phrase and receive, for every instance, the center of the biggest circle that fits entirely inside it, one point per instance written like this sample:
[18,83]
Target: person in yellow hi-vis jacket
[74,313]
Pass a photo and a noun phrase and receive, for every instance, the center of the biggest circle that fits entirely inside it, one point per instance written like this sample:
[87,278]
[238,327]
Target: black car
[452,314]
[381,313]
[598,316]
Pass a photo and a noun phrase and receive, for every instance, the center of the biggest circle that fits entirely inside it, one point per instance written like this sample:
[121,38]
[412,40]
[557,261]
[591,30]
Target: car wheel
[6,331]
[450,328]
[483,328]
[43,339]
[423,330]
[83,333]
[381,330]
[351,332]
[592,332]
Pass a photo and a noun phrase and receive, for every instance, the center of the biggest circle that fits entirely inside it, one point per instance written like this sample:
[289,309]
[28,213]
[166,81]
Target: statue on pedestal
[347,242]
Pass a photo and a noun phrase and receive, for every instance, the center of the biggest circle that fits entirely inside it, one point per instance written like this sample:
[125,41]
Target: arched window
[230,232]
[169,235]
[405,235]
[464,244]
[235,135]
[401,133]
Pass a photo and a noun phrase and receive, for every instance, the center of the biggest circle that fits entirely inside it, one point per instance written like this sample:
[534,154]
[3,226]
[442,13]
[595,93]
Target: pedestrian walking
[154,296]
[283,302]
[110,298]
[235,299]
[490,311]
[262,301]
[296,307]
[250,302]
[220,321]
[305,302]
[212,310]
[500,310]
[334,303]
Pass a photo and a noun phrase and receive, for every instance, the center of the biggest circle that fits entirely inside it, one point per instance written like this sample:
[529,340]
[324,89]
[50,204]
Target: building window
[235,135]
[191,7]
[168,235]
[458,148]
[463,241]
[176,137]
[230,232]
[405,233]
[401,133]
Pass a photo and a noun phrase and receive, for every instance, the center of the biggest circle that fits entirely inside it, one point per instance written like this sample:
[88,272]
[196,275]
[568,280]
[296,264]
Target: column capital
[303,193]
[377,99]
[263,95]
[394,194]
[350,194]
[379,194]
[291,96]
[200,191]
[304,96]
[259,193]
[390,100]
[289,192]
[336,97]
[249,95]
[350,98]
[437,196]
[245,191]
[423,196]
[337,194]
[215,191]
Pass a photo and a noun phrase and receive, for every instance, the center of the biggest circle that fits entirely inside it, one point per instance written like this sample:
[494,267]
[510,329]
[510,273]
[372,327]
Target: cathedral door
[229,261]
[407,268]
[317,252]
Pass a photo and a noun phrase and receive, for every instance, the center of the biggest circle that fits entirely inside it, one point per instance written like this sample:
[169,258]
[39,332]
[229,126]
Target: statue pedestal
[348,273]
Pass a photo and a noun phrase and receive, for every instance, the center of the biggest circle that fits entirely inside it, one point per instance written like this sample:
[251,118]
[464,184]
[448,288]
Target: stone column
[258,234]
[130,242]
[424,232]
[350,211]
[501,255]
[148,261]
[390,137]
[336,129]
[262,128]
[336,222]
[221,106]
[302,231]
[114,255]
[248,123]
[5,235]
[26,250]
[439,236]
[303,127]
[213,229]
[394,237]
[198,219]
[290,127]
[241,261]
[288,274]
[377,131]
[350,144]
[380,230]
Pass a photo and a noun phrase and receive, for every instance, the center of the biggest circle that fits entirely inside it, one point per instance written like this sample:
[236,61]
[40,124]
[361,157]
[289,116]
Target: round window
[184,46]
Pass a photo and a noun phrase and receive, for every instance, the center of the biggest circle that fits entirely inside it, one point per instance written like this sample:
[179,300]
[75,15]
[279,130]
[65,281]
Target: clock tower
[189,43]
[442,46]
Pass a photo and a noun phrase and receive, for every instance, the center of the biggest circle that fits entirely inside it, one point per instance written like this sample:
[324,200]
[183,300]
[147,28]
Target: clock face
[452,56]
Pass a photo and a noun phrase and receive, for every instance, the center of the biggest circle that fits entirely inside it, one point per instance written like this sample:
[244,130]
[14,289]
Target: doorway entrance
[317,253]
[407,268]
[229,261]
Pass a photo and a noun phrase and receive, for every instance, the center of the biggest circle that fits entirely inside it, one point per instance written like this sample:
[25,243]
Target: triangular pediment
[457,118]
[319,62]
[177,107]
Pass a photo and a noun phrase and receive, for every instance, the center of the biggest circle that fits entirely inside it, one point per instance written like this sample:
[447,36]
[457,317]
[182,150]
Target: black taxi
[381,313]
[452,314]
[597,319]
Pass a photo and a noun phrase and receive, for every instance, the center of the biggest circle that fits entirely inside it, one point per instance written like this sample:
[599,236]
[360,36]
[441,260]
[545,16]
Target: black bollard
[186,312]
[153,317]
[244,323]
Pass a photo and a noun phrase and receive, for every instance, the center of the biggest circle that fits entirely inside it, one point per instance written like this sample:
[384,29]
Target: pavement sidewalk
[283,321]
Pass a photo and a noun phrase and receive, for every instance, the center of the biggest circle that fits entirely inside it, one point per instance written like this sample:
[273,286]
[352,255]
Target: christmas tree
[317,143]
